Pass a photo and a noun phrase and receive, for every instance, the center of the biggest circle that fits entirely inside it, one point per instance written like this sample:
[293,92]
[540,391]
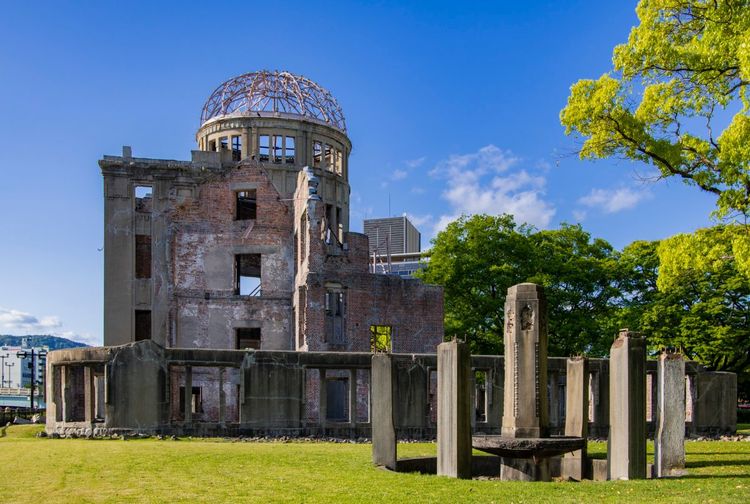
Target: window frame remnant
[246,204]
[248,337]
[248,275]
[381,338]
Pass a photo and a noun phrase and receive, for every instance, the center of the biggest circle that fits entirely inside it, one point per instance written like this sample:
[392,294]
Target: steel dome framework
[275,92]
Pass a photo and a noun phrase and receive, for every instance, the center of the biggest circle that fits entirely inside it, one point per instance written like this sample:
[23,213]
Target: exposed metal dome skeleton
[273,92]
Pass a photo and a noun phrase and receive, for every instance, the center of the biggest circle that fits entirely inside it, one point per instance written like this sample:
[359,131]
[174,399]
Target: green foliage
[703,304]
[380,338]
[684,69]
[476,259]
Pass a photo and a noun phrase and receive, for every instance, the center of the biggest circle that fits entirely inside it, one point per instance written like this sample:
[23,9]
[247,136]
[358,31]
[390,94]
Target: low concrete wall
[144,388]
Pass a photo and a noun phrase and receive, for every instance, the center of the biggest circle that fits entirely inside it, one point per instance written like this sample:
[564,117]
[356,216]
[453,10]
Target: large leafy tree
[477,258]
[702,305]
[677,98]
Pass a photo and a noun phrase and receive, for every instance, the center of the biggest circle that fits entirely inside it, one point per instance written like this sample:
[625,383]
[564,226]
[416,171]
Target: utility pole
[9,365]
[2,369]
[35,355]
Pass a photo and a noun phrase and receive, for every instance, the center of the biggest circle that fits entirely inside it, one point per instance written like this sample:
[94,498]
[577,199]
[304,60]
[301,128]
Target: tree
[476,259]
[675,84]
[703,302]
[580,279]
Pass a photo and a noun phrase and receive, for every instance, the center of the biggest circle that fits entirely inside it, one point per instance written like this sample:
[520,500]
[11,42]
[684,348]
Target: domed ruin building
[248,245]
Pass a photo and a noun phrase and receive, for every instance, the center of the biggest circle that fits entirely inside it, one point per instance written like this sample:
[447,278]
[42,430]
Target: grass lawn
[206,470]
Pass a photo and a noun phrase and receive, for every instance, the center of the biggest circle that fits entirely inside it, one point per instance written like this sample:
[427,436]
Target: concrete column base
[515,469]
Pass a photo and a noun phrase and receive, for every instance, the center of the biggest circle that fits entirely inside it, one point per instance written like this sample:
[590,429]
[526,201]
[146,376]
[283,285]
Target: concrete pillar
[626,453]
[383,381]
[669,439]
[247,148]
[576,415]
[454,410]
[352,398]
[222,397]
[525,409]
[322,398]
[88,395]
[554,399]
[188,413]
[64,394]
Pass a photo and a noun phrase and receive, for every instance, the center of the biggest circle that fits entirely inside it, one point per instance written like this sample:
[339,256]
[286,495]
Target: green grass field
[207,470]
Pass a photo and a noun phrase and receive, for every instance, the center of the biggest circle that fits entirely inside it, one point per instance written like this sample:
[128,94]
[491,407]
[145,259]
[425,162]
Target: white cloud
[20,323]
[579,215]
[415,163]
[614,200]
[399,174]
[486,181]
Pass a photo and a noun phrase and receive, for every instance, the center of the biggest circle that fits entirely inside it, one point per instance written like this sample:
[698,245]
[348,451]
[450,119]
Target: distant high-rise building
[395,246]
[392,235]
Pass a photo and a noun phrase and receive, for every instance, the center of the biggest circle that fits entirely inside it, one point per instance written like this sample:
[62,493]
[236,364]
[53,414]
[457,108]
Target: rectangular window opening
[480,395]
[248,337]
[196,405]
[246,204]
[317,154]
[212,145]
[263,148]
[380,338]
[339,162]
[142,325]
[329,157]
[334,307]
[337,399]
[339,225]
[278,148]
[143,197]
[142,256]
[236,148]
[289,150]
[247,280]
[224,142]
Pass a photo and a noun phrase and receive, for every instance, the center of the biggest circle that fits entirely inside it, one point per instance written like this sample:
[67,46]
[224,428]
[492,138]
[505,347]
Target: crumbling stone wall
[413,310]
[206,238]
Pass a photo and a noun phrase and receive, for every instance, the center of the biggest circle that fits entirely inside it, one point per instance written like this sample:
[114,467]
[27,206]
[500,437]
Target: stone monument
[524,447]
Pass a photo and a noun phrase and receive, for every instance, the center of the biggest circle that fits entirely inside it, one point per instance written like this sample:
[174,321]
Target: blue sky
[451,107]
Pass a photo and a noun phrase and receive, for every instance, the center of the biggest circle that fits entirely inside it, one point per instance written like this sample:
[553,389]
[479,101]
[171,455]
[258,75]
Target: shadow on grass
[718,463]
[719,453]
[713,476]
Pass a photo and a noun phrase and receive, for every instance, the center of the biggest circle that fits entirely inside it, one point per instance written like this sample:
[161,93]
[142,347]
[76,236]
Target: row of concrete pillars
[626,451]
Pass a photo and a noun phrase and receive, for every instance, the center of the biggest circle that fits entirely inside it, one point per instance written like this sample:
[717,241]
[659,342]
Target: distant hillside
[53,342]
